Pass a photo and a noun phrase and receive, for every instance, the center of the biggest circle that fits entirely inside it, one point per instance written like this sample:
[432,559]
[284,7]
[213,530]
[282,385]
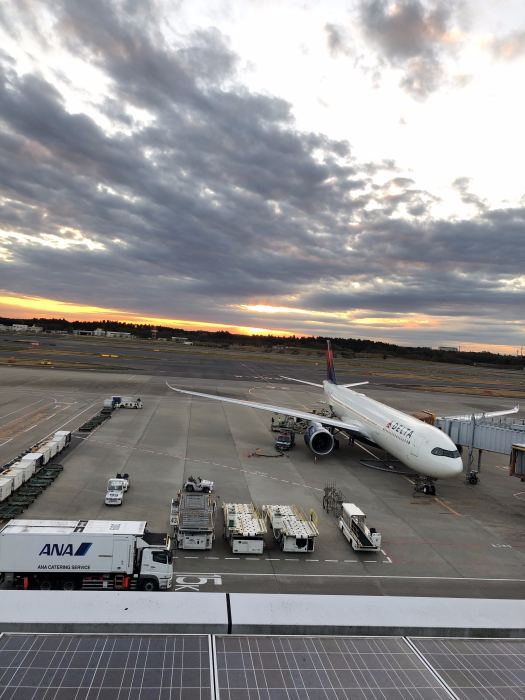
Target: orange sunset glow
[21,306]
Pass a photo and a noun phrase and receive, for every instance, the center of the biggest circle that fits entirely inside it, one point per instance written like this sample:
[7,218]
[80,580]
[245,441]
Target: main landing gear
[425,484]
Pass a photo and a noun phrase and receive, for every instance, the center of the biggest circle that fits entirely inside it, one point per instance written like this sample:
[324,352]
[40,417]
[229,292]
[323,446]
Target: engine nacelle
[319,439]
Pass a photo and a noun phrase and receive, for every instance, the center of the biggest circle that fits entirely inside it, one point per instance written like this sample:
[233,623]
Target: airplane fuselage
[420,446]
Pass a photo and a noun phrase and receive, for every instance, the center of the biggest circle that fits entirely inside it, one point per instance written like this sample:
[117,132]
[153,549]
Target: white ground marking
[21,409]
[263,475]
[383,576]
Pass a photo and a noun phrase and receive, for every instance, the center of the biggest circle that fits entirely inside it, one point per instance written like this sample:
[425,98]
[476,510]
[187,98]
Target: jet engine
[319,439]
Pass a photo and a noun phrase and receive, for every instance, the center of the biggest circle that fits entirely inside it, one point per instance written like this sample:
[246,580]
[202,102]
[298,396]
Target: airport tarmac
[465,542]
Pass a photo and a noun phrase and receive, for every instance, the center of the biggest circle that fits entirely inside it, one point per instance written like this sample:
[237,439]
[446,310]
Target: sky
[351,169]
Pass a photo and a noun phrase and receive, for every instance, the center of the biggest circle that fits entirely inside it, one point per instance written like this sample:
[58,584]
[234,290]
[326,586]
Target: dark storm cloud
[411,35]
[218,200]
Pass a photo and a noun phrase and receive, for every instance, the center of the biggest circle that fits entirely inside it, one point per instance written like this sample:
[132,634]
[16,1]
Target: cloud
[414,37]
[181,193]
[337,40]
[508,47]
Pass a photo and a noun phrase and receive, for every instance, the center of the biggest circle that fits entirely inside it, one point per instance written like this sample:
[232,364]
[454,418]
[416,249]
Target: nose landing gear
[425,484]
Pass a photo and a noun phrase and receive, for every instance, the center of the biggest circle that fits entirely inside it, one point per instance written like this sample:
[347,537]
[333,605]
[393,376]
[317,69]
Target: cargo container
[6,487]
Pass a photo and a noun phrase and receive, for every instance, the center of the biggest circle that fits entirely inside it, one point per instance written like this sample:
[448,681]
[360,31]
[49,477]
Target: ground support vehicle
[116,489]
[193,518]
[198,484]
[284,442]
[244,528]
[85,554]
[282,423]
[352,525]
[291,528]
[126,401]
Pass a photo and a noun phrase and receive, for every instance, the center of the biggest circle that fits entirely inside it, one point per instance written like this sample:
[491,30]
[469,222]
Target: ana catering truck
[87,554]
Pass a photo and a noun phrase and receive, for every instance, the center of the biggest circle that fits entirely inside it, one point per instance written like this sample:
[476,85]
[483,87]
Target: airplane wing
[485,414]
[354,428]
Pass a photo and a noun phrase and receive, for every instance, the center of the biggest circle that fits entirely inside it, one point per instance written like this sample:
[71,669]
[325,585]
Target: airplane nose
[458,466]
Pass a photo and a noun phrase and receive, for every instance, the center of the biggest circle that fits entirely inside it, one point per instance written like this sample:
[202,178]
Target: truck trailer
[85,554]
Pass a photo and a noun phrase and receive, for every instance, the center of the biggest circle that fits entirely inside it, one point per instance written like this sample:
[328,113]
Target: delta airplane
[422,447]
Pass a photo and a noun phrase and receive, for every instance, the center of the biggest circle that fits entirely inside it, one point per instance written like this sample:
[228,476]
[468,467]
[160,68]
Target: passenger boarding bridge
[504,435]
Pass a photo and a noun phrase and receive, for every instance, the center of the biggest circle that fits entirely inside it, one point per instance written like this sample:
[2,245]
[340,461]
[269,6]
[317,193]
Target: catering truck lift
[244,528]
[192,516]
[85,554]
[291,528]
[352,525]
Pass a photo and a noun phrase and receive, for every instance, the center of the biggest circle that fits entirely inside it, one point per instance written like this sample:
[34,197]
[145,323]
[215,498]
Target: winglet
[330,371]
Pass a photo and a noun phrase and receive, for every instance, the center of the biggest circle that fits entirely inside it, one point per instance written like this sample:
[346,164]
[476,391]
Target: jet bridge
[499,435]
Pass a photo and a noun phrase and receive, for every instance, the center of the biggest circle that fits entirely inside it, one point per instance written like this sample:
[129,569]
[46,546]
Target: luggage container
[65,434]
[17,477]
[6,487]
[25,467]
[36,458]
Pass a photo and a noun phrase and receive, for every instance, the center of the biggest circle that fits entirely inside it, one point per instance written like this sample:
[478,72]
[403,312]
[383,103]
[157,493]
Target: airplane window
[440,452]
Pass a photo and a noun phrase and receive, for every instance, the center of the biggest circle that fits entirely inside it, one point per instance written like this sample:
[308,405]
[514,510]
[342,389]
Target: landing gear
[472,477]
[425,484]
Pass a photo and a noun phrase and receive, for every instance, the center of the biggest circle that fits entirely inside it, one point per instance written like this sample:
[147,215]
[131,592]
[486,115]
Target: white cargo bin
[52,446]
[60,442]
[6,487]
[36,458]
[17,477]
[45,451]
[26,467]
[66,434]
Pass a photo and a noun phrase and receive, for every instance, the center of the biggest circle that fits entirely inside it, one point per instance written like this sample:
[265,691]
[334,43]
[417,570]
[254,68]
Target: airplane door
[414,446]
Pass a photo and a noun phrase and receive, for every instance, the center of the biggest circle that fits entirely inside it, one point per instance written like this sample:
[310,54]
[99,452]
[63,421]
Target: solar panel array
[235,667]
[478,669]
[96,667]
[294,668]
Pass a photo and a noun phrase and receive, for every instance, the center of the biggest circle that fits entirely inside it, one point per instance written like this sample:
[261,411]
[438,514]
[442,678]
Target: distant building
[178,339]
[448,348]
[77,331]
[118,334]
[3,327]
[35,329]
[19,327]
[99,332]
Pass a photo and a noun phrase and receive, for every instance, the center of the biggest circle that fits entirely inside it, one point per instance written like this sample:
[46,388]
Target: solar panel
[478,669]
[98,667]
[331,668]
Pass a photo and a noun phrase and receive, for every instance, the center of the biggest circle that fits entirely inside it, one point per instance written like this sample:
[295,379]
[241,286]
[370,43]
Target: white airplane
[422,447]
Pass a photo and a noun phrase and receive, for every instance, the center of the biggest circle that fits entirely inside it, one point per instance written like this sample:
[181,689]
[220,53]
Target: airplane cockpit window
[440,452]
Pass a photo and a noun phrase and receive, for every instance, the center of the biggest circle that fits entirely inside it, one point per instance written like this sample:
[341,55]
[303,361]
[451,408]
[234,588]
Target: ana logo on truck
[63,550]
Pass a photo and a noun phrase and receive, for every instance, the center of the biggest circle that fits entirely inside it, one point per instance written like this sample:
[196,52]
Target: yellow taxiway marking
[442,503]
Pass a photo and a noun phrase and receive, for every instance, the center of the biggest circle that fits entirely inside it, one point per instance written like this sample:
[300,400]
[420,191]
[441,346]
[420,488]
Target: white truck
[85,554]
[117,487]
[352,525]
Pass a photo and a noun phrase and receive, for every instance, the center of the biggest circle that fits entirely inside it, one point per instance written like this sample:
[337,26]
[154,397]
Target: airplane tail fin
[330,371]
